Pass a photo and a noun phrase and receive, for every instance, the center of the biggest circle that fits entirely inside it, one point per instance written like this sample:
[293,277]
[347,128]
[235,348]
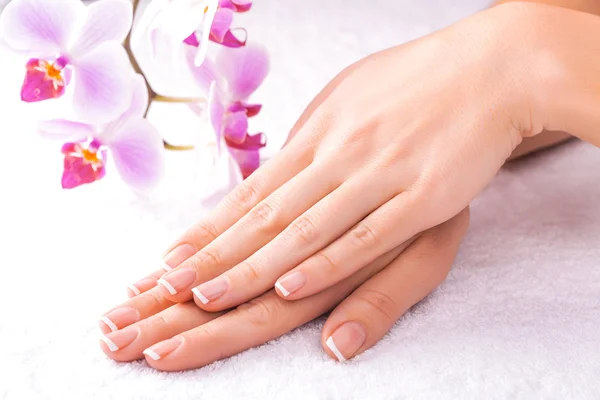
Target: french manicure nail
[120,317]
[178,255]
[133,290]
[211,290]
[346,340]
[178,280]
[164,348]
[291,283]
[121,339]
[141,286]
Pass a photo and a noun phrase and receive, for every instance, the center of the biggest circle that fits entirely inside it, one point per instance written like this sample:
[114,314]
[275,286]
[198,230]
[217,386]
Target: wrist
[565,61]
[556,72]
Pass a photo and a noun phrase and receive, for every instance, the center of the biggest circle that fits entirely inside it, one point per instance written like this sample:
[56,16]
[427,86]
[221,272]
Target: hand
[398,145]
[182,336]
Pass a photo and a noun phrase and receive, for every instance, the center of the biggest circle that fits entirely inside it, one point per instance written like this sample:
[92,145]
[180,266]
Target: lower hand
[365,306]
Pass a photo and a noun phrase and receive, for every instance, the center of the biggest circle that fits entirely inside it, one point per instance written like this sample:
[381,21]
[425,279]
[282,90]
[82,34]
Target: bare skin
[548,139]
[368,200]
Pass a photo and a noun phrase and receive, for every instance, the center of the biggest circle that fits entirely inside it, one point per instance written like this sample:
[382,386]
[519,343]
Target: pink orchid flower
[220,29]
[168,23]
[133,142]
[66,38]
[230,81]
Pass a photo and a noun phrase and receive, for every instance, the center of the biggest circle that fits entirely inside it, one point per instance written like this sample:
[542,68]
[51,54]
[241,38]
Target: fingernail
[120,317]
[290,283]
[164,348]
[141,286]
[133,291]
[346,340]
[178,255]
[121,339]
[212,290]
[178,280]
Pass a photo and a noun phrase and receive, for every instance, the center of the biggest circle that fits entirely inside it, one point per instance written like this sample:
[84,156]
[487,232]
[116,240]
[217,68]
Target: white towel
[518,317]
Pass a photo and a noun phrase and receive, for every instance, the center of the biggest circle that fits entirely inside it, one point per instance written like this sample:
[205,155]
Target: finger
[134,310]
[240,200]
[365,316]
[128,344]
[316,228]
[263,223]
[397,220]
[147,283]
[234,206]
[251,324]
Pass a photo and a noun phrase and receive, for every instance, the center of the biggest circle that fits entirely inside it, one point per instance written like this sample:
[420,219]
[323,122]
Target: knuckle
[154,299]
[304,229]
[207,256]
[364,235]
[244,197]
[379,304]
[326,263]
[252,272]
[205,230]
[432,181]
[158,321]
[260,312]
[267,216]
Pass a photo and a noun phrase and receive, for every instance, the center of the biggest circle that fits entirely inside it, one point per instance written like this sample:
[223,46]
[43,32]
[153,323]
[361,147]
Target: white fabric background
[518,317]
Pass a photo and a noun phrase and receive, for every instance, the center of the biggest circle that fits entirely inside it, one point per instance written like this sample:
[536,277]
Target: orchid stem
[132,59]
[152,96]
[173,147]
[167,99]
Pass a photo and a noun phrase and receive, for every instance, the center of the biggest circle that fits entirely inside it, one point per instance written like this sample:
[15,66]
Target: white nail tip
[283,290]
[199,295]
[135,290]
[109,323]
[330,343]
[111,345]
[152,354]
[168,286]
[166,267]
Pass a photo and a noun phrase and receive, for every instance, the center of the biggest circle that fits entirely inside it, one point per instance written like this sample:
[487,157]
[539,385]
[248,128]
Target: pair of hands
[364,208]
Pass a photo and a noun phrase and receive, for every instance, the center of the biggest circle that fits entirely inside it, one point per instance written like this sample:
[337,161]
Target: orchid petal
[203,34]
[250,109]
[65,130]
[138,152]
[221,24]
[236,5]
[139,99]
[205,74]
[244,69]
[42,82]
[102,84]
[77,172]
[231,40]
[41,27]
[251,142]
[144,27]
[83,163]
[177,21]
[215,113]
[247,160]
[106,20]
[235,126]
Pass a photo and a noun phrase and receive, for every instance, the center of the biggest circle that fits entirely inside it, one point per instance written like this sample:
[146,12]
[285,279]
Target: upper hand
[400,142]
